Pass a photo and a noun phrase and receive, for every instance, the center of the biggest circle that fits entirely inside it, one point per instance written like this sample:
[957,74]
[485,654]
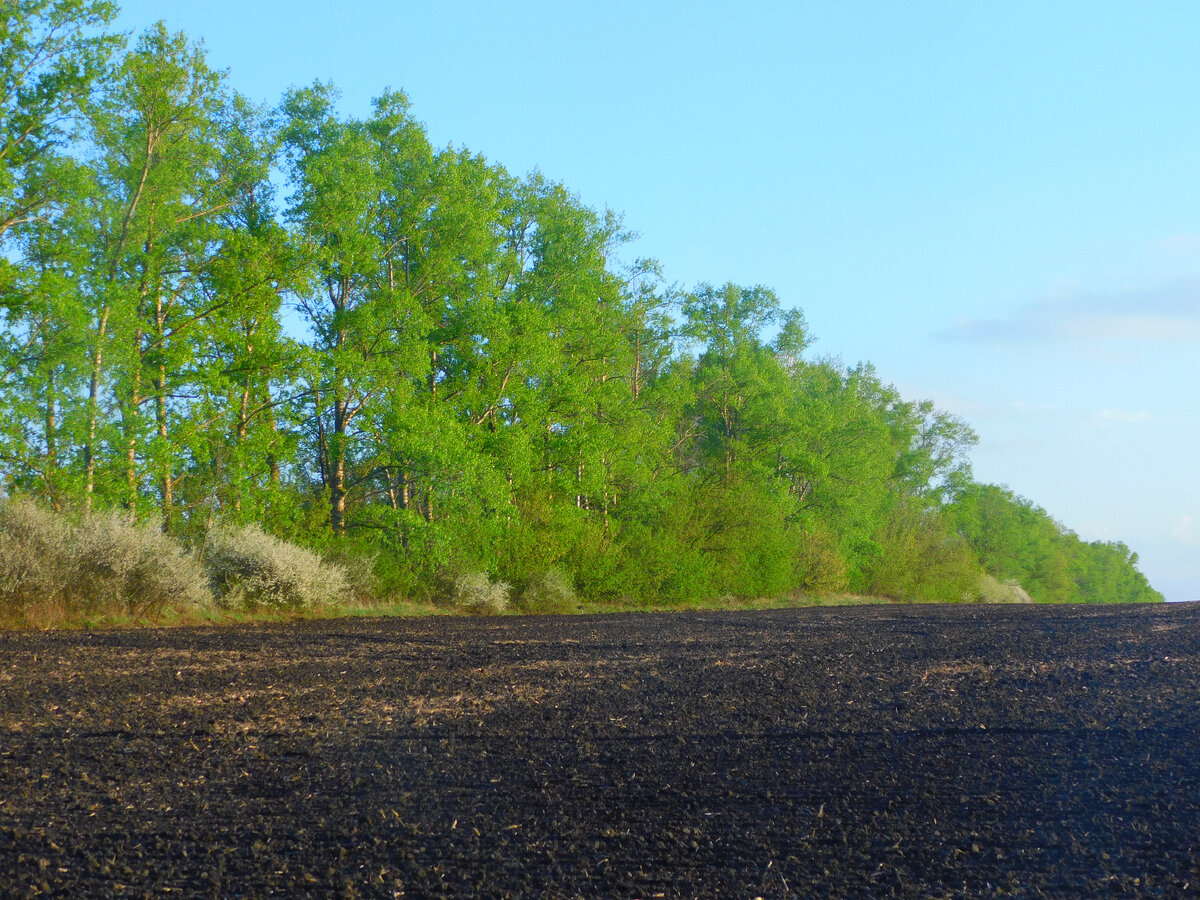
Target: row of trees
[219,312]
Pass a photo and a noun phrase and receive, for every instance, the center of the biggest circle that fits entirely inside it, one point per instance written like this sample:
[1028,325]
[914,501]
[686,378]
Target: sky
[997,204]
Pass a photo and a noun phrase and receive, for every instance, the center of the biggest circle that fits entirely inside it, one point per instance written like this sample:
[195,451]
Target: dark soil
[866,752]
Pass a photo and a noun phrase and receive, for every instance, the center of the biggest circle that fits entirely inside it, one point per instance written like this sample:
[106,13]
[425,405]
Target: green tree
[353,181]
[1014,539]
[40,362]
[242,373]
[51,54]
[176,150]
[740,383]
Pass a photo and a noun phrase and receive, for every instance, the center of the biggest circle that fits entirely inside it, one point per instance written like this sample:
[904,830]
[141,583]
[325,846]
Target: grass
[401,608]
[787,601]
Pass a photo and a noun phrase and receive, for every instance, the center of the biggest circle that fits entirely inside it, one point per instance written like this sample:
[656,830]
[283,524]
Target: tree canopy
[219,313]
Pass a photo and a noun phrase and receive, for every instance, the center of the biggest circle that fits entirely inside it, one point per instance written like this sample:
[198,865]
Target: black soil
[866,752]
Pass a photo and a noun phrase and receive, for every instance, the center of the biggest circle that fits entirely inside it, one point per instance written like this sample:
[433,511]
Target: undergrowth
[61,569]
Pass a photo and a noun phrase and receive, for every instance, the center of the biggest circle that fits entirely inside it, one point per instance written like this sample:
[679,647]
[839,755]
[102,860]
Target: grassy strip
[787,601]
[175,618]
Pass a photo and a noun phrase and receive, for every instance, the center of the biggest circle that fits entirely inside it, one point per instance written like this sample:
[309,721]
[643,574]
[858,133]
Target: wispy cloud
[1122,416]
[1181,243]
[1184,531]
[1168,313]
[1091,530]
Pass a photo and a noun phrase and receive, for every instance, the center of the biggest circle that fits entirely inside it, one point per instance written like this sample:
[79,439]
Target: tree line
[219,312]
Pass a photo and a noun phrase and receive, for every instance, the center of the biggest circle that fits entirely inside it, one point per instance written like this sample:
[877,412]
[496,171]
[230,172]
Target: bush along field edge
[59,569]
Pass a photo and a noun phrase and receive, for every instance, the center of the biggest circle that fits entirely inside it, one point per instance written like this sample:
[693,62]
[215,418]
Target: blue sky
[998,204]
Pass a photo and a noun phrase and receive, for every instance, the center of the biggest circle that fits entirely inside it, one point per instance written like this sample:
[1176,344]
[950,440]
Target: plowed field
[853,752]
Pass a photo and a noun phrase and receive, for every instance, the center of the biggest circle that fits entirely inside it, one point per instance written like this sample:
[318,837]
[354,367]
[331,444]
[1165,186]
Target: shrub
[248,567]
[137,565]
[549,592]
[820,566]
[920,559]
[35,560]
[359,566]
[54,568]
[478,594]
[992,590]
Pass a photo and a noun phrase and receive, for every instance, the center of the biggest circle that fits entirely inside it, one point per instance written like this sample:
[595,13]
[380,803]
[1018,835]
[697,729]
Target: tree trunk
[272,459]
[93,413]
[49,474]
[166,482]
[242,429]
[339,291]
[114,253]
[337,470]
[131,412]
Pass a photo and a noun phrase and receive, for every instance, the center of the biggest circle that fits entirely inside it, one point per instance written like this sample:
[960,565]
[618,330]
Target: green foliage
[51,54]
[547,592]
[470,379]
[820,566]
[1018,541]
[919,559]
[1106,572]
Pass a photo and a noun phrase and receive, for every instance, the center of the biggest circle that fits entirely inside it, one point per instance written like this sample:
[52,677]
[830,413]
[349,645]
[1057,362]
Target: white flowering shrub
[992,590]
[249,568]
[120,563]
[35,557]
[54,567]
[477,593]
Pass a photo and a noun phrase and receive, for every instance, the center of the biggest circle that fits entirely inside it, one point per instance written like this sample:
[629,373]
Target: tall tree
[739,379]
[40,362]
[350,187]
[176,150]
[242,381]
[52,55]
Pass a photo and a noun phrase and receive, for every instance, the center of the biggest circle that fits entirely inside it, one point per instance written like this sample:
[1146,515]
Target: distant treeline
[215,312]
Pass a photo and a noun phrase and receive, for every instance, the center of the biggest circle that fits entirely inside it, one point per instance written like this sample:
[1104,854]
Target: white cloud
[1184,531]
[1182,243]
[1167,313]
[1121,416]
